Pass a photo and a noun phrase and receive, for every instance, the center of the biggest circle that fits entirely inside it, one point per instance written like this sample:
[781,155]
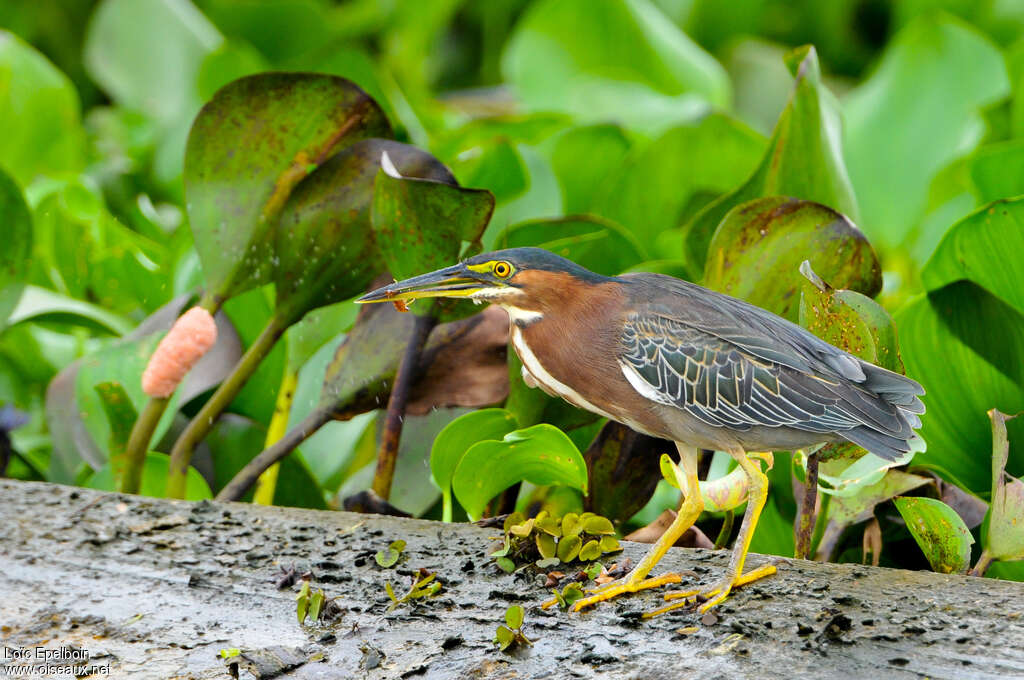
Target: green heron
[677,361]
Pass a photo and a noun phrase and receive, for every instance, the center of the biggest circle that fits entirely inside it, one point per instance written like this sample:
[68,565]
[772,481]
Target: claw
[713,595]
[621,586]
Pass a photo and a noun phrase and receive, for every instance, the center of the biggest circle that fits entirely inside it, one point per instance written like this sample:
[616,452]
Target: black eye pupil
[502,269]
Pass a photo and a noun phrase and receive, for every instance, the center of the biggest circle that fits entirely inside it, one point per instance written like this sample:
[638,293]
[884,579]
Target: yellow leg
[734,575]
[637,579]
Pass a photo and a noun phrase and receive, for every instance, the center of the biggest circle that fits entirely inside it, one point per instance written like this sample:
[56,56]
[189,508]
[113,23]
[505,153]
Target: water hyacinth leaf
[940,533]
[804,159]
[14,256]
[324,244]
[514,617]
[897,137]
[658,186]
[388,558]
[121,416]
[1005,537]
[976,248]
[39,114]
[592,242]
[44,304]
[756,253]
[541,454]
[154,476]
[459,435]
[981,366]
[248,148]
[997,171]
[582,157]
[662,78]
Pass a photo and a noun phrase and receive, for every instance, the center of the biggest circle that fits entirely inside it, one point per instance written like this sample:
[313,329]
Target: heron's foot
[714,595]
[626,584]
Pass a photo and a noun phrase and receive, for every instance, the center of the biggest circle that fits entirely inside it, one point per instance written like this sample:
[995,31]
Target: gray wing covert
[714,380]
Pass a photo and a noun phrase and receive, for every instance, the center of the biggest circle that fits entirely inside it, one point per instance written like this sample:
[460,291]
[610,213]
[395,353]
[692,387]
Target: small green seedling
[569,595]
[424,585]
[512,632]
[388,558]
[547,541]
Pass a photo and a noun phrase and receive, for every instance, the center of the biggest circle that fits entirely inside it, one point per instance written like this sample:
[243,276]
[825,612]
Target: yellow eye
[502,269]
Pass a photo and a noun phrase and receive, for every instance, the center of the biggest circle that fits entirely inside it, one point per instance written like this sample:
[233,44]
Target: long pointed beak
[456,281]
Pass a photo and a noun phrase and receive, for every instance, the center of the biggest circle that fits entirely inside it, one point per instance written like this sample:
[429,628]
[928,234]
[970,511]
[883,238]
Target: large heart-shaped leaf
[757,250]
[997,171]
[977,248]
[966,347]
[325,246]
[39,114]
[249,146]
[592,242]
[582,158]
[14,256]
[663,78]
[661,184]
[917,112]
[541,454]
[941,534]
[804,158]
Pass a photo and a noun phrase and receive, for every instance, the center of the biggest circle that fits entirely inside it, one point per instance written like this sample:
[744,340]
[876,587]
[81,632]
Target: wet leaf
[248,149]
[940,533]
[896,138]
[592,242]
[980,366]
[757,250]
[663,78]
[514,617]
[458,436]
[388,558]
[546,546]
[975,248]
[569,548]
[591,550]
[541,454]
[803,160]
[1005,537]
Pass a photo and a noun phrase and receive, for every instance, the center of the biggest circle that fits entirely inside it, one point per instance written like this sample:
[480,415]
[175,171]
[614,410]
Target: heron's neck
[522,317]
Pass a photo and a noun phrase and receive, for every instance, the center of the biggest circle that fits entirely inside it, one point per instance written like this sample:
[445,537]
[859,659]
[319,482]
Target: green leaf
[316,602]
[121,415]
[803,160]
[757,250]
[42,304]
[671,472]
[388,558]
[662,78]
[569,548]
[661,184]
[248,149]
[997,171]
[571,524]
[916,113]
[39,114]
[610,544]
[591,242]
[458,436]
[541,454]
[230,61]
[506,565]
[975,248]
[15,255]
[582,157]
[154,479]
[591,550]
[514,617]
[302,602]
[966,347]
[504,637]
[1005,537]
[545,545]
[940,533]
[598,525]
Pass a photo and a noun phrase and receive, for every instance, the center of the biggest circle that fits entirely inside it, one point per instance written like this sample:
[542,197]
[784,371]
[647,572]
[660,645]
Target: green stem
[806,521]
[726,530]
[138,444]
[202,423]
[266,485]
[819,525]
[984,561]
[387,453]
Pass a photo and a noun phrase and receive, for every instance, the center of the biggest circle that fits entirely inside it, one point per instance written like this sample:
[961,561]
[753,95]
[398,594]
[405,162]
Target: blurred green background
[639,112]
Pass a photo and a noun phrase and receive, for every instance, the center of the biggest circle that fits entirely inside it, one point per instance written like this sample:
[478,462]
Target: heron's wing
[720,383]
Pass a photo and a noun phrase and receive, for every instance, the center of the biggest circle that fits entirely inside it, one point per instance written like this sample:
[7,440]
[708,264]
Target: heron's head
[530,279]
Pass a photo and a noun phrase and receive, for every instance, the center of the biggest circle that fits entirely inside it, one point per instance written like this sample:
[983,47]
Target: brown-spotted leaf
[249,146]
[623,468]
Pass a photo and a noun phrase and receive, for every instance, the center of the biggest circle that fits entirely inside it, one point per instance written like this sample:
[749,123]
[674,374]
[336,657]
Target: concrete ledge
[155,589]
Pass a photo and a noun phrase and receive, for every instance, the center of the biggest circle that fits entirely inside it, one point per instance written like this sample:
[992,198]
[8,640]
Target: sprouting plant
[547,541]
[424,585]
[390,556]
[511,632]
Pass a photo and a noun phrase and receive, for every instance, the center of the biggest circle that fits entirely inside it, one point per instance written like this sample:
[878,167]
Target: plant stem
[726,531]
[807,519]
[387,453]
[984,561]
[267,482]
[202,423]
[138,444]
[247,476]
